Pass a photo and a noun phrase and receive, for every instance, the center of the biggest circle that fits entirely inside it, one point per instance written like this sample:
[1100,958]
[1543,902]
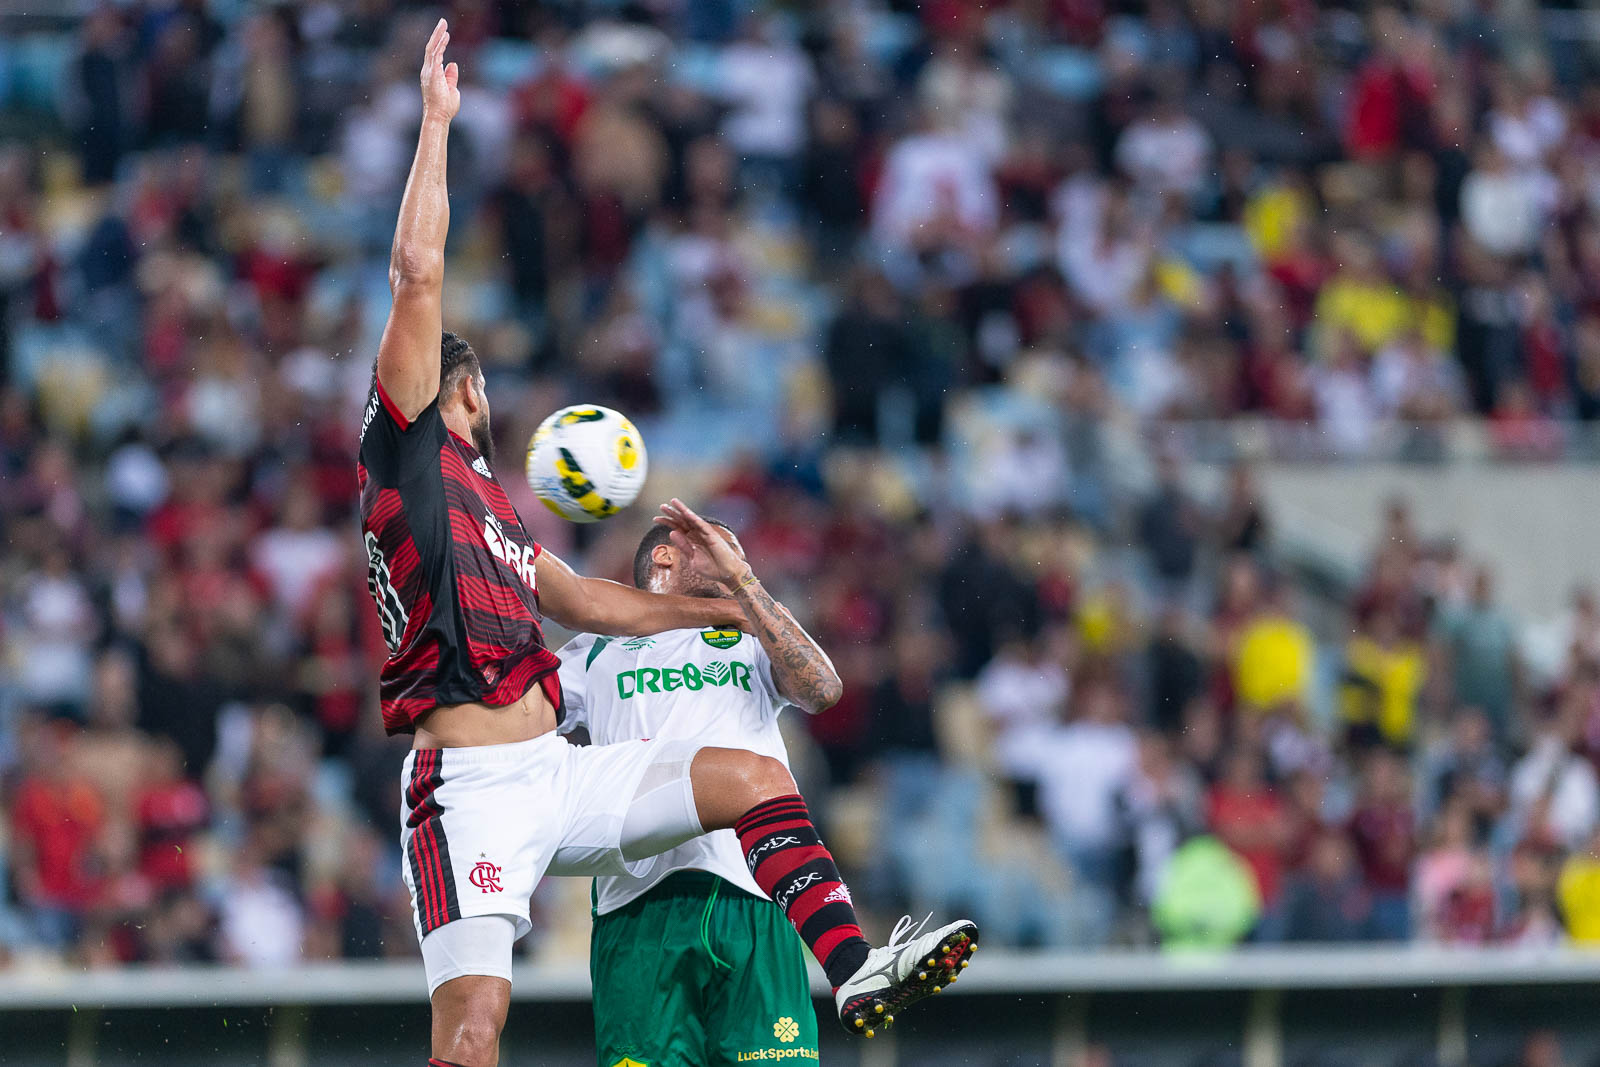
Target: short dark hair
[658,534]
[456,359]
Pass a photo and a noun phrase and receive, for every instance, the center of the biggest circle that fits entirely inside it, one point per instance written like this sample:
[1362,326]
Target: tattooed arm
[802,671]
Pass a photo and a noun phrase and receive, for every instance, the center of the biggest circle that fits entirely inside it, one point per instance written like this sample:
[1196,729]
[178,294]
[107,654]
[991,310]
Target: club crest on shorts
[721,638]
[486,877]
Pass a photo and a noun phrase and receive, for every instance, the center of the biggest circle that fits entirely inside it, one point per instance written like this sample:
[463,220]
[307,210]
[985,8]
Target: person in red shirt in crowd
[1247,815]
[56,817]
[1384,830]
[1393,91]
[170,810]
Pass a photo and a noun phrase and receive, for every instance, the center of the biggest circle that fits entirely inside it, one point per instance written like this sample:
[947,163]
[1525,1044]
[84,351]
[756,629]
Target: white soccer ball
[586,463]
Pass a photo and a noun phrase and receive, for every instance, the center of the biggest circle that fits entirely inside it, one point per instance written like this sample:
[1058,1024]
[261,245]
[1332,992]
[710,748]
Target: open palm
[711,554]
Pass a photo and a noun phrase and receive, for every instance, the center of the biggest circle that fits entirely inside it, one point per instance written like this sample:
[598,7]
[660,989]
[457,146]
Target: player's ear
[472,397]
[662,556]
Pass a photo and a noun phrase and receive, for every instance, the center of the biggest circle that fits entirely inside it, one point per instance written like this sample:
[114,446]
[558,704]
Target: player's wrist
[435,115]
[742,582]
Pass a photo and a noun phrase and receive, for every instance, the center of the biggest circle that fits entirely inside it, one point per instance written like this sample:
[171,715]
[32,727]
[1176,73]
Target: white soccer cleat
[911,966]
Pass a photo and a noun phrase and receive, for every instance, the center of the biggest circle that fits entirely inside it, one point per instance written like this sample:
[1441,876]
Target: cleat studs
[888,1022]
[860,1022]
[931,961]
[922,976]
[871,1034]
[937,988]
[878,1008]
[965,964]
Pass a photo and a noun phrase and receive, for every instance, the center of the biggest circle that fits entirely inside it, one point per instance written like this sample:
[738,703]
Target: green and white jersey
[710,686]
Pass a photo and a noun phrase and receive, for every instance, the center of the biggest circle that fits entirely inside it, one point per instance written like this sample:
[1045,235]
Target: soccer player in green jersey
[695,956]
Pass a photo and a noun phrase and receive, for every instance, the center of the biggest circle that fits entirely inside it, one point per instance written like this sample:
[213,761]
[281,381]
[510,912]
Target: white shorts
[481,826]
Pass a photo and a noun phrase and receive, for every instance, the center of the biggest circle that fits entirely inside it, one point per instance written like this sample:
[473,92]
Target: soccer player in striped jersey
[494,798]
[692,960]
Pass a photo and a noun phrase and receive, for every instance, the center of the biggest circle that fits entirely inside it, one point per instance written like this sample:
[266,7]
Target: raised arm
[802,671]
[596,606]
[408,355]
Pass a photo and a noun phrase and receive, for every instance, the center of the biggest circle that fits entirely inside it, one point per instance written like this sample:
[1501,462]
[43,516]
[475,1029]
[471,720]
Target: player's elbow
[410,264]
[589,609]
[824,695]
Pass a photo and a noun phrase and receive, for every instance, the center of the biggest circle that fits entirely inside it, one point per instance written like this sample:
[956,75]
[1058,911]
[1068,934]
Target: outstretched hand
[440,96]
[711,555]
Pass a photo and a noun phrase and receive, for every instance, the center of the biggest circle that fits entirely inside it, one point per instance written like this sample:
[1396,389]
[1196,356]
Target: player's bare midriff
[470,725]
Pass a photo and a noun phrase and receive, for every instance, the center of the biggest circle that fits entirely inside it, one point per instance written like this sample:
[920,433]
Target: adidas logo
[482,467]
[839,894]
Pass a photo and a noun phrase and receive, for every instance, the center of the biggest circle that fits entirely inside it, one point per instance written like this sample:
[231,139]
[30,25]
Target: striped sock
[442,1063]
[789,861]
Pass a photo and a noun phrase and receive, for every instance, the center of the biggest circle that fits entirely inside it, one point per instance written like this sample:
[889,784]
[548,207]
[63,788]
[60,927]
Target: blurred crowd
[879,280]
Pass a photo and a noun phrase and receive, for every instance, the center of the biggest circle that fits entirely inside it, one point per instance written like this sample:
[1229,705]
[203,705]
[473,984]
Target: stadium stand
[890,287]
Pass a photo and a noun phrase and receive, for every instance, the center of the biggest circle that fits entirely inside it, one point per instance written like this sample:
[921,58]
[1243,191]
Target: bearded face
[482,439]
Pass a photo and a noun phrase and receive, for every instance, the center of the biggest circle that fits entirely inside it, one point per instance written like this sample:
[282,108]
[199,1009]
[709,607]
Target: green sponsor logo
[721,638]
[639,643]
[689,676]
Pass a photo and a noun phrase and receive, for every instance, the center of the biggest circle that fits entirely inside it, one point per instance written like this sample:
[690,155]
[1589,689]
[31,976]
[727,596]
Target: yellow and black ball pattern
[586,463]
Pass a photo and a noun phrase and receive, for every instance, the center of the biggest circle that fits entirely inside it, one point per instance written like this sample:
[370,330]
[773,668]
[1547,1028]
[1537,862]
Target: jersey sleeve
[764,676]
[574,674]
[394,448]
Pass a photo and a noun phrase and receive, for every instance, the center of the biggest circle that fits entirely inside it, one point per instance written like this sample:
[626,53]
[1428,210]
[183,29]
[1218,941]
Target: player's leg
[757,797]
[650,978]
[789,862]
[762,1007]
[468,1014]
[680,791]
[471,873]
[687,790]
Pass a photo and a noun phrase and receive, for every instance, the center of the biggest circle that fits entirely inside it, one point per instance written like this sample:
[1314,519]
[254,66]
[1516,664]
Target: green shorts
[698,972]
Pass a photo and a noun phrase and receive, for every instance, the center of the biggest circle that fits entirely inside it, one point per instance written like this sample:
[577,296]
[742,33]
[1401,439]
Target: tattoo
[800,668]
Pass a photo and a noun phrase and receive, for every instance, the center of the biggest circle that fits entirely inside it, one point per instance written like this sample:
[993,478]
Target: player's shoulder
[578,647]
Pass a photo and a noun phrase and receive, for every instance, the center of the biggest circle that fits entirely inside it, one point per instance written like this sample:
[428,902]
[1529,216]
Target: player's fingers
[432,50]
[695,522]
[452,74]
[687,512]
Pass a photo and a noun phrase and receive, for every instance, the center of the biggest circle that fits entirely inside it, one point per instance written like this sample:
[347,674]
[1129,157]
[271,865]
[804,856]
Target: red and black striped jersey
[450,569]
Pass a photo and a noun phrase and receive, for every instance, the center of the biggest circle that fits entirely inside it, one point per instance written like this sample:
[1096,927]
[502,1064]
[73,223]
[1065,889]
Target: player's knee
[475,1041]
[729,782]
[765,778]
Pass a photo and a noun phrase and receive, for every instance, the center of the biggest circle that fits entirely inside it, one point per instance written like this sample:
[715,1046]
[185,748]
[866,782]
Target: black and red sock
[442,1063]
[789,861]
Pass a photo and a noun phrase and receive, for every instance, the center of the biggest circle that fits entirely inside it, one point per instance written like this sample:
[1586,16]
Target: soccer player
[494,798]
[693,964]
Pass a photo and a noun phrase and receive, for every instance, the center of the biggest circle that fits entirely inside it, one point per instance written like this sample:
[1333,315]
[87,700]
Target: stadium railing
[1261,1004]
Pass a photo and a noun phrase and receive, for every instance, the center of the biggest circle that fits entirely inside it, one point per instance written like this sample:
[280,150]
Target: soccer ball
[586,463]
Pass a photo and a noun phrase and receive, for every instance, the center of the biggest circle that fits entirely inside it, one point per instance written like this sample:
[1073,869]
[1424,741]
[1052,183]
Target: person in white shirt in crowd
[1086,767]
[934,176]
[1554,793]
[767,81]
[1022,691]
[1167,151]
